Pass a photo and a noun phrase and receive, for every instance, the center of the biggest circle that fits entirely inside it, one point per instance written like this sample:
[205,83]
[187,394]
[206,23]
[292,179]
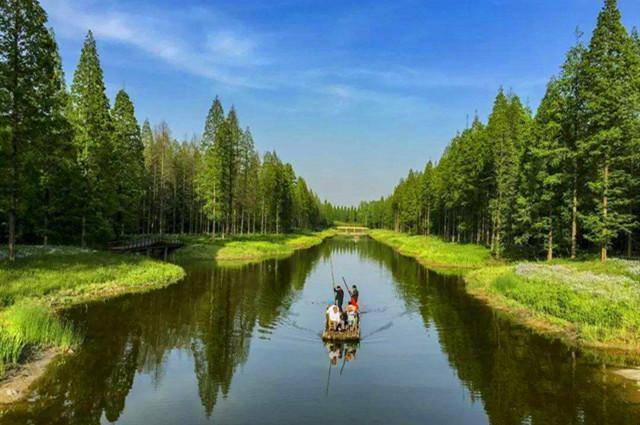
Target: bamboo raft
[346,335]
[343,335]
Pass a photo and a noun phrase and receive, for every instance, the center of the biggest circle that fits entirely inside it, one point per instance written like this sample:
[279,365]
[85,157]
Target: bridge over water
[352,230]
[158,246]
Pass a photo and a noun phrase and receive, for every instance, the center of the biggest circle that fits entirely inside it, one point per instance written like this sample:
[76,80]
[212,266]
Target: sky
[352,93]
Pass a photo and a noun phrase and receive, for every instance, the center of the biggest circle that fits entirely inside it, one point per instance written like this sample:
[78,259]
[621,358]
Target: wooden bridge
[352,230]
[152,246]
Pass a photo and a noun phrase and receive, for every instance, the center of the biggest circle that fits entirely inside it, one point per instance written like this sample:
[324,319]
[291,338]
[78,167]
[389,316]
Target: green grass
[250,247]
[29,324]
[433,251]
[588,303]
[43,280]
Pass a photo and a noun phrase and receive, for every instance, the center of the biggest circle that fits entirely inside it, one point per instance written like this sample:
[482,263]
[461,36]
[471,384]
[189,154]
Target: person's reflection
[335,352]
[341,351]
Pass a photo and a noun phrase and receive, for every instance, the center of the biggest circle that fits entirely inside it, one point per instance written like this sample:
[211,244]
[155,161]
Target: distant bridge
[352,230]
[151,246]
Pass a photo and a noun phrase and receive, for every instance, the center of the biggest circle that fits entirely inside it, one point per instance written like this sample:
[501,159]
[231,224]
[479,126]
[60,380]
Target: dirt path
[17,381]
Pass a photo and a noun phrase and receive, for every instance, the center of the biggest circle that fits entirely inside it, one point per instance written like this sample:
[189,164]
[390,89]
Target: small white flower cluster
[24,251]
[614,287]
[632,267]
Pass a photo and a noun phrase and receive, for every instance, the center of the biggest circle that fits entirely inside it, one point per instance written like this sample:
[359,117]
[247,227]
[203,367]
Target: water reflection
[242,345]
[520,377]
[211,316]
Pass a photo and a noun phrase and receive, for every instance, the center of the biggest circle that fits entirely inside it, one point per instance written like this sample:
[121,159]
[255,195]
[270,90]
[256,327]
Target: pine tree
[90,116]
[545,177]
[30,99]
[128,163]
[610,90]
[428,197]
[246,153]
[573,128]
[214,118]
[505,159]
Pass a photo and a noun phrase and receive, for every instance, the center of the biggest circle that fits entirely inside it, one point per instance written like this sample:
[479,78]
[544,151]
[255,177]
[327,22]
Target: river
[242,346]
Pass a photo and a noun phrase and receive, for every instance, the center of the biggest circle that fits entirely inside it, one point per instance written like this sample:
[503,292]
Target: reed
[44,280]
[32,325]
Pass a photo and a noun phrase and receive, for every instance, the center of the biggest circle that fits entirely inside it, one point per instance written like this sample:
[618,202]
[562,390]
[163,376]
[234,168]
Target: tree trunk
[574,218]
[605,202]
[213,227]
[83,232]
[550,239]
[45,238]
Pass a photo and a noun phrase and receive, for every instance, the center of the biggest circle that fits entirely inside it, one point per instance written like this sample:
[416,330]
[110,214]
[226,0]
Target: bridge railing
[144,242]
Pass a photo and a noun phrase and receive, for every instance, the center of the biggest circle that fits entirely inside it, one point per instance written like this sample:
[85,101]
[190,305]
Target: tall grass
[433,251]
[254,247]
[598,302]
[62,279]
[30,324]
[43,280]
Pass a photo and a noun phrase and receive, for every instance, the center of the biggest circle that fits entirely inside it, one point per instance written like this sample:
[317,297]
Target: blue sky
[352,93]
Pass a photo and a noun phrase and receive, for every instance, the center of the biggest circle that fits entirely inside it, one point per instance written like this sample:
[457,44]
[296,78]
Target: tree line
[563,181]
[74,169]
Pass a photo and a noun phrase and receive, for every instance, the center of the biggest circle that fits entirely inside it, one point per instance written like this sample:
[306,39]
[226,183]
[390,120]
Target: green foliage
[254,247]
[433,251]
[610,85]
[65,276]
[599,301]
[564,181]
[89,113]
[29,324]
[47,277]
[33,130]
[86,172]
[128,164]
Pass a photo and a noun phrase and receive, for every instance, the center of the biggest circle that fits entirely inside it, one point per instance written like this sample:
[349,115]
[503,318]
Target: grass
[249,248]
[585,303]
[44,280]
[434,252]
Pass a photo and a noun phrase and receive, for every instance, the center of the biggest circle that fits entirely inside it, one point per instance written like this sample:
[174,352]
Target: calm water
[242,346]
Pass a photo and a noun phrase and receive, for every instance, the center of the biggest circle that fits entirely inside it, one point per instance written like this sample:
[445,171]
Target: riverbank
[587,304]
[250,248]
[433,252]
[43,281]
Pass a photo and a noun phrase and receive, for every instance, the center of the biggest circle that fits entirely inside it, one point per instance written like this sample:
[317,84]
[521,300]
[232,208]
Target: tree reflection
[212,315]
[520,377]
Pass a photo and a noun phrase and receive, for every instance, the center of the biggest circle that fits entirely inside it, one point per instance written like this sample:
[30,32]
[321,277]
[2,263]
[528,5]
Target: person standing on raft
[354,294]
[339,296]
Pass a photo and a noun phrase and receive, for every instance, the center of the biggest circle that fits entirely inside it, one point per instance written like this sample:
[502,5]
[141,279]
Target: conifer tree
[573,129]
[214,118]
[128,163]
[30,99]
[505,159]
[90,116]
[544,176]
[610,89]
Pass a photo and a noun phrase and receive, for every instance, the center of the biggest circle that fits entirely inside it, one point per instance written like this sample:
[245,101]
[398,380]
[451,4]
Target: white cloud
[229,44]
[235,56]
[159,36]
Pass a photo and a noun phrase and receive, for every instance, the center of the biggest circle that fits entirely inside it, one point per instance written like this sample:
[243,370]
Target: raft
[346,335]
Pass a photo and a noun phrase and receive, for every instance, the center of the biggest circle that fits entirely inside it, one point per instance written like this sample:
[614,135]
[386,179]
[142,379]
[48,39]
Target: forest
[564,181]
[75,169]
